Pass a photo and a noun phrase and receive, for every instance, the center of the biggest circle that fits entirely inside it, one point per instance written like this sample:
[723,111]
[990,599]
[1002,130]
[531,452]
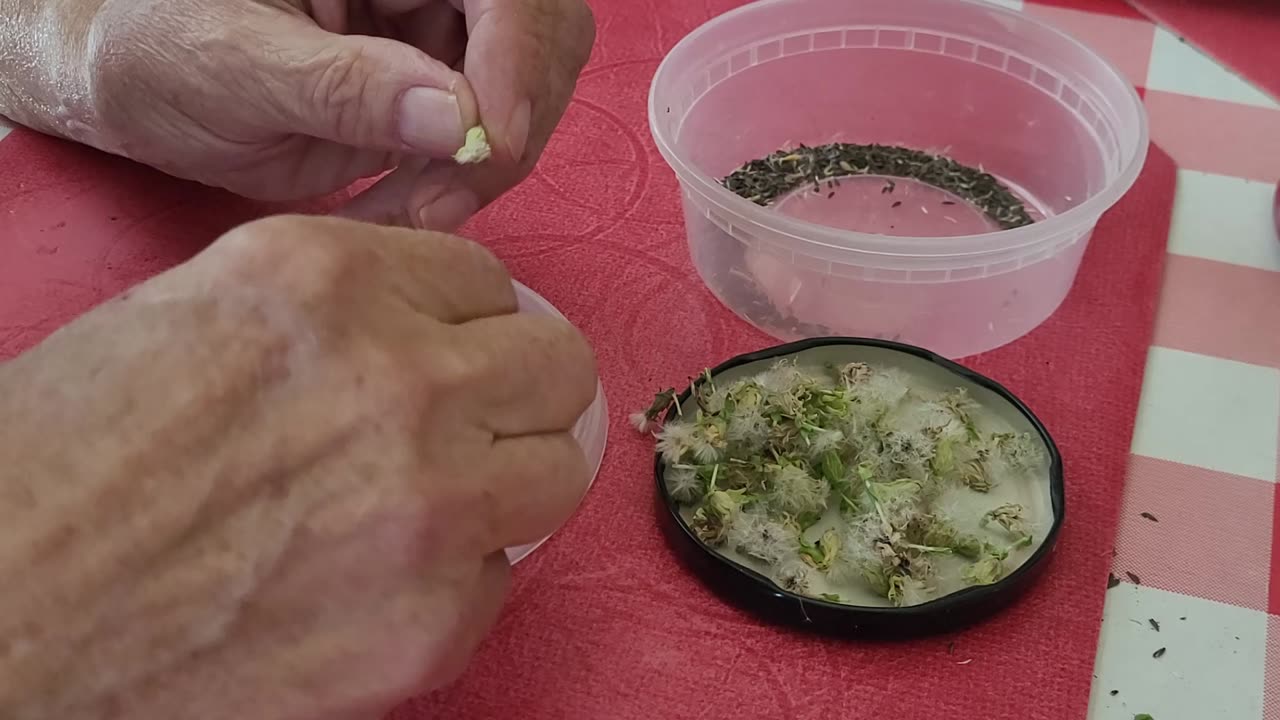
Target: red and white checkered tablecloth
[1200,510]
[1204,460]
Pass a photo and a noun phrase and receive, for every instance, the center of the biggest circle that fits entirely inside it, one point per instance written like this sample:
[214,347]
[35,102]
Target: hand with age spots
[276,482]
[289,99]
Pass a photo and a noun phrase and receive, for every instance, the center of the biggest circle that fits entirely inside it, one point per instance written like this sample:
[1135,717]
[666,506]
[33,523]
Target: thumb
[366,92]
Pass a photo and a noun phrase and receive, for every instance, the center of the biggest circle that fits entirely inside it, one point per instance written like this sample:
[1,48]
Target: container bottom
[962,315]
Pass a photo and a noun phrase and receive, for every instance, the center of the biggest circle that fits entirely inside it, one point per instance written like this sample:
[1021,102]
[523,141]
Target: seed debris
[1150,517]
[766,179]
[1158,654]
[1134,578]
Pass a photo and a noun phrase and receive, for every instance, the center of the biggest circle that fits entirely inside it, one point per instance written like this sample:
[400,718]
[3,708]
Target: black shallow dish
[752,591]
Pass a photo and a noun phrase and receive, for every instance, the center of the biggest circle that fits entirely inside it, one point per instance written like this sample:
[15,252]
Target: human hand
[276,482]
[286,99]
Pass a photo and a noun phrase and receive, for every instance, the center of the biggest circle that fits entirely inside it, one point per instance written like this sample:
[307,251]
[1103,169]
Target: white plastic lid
[592,430]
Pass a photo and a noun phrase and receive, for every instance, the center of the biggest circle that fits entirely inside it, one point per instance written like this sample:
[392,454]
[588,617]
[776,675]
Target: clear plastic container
[985,86]
[591,430]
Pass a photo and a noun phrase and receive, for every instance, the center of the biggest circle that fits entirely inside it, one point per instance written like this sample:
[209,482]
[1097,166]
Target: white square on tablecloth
[1209,412]
[1213,665]
[1180,68]
[1224,218]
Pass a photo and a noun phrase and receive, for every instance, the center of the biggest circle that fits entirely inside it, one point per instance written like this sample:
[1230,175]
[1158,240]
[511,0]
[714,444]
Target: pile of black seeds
[763,181]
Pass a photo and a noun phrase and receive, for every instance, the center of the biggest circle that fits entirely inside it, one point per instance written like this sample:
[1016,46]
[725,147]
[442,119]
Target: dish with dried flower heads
[857,484]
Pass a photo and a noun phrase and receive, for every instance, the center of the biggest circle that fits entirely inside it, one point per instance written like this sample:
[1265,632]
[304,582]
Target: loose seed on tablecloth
[1150,517]
[1134,578]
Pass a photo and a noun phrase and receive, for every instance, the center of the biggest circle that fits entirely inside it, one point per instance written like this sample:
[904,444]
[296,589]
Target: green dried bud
[940,533]
[944,459]
[1009,517]
[903,490]
[855,374]
[875,577]
[985,571]
[711,521]
[824,552]
[897,589]
[961,405]
[974,475]
[832,468]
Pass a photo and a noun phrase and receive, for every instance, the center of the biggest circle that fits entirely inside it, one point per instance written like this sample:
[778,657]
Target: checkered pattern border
[1200,513]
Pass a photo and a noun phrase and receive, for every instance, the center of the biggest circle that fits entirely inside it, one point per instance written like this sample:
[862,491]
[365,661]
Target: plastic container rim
[590,430]
[1078,218]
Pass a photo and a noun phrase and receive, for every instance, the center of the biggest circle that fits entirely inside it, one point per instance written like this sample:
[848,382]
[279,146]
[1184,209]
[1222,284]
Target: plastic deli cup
[591,430]
[877,255]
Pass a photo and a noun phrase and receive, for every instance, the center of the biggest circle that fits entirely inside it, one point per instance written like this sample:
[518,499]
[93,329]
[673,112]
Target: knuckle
[567,350]
[449,369]
[293,254]
[339,89]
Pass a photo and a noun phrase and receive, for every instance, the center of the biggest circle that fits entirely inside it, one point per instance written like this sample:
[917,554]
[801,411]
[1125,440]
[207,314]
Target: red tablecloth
[603,622]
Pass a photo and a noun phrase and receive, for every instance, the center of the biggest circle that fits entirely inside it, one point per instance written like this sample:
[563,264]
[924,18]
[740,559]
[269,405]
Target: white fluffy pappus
[756,535]
[794,491]
[794,574]
[684,484]
[675,440]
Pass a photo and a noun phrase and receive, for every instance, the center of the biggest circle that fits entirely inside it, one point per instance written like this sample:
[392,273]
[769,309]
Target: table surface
[1200,505]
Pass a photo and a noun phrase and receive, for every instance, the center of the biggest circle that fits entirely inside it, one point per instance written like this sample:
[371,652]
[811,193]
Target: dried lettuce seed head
[1009,517]
[475,148]
[985,571]
[795,492]
[684,484]
[755,534]
[795,575]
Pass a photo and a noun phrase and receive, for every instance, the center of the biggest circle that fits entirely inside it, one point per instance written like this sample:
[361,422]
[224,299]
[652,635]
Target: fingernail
[431,121]
[449,211]
[518,131]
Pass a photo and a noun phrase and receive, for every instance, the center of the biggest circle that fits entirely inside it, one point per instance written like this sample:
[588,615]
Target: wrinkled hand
[286,99]
[276,482]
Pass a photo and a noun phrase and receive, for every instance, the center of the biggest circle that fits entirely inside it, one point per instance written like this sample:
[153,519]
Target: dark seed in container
[896,203]
[765,179]
[1154,625]
[1158,654]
